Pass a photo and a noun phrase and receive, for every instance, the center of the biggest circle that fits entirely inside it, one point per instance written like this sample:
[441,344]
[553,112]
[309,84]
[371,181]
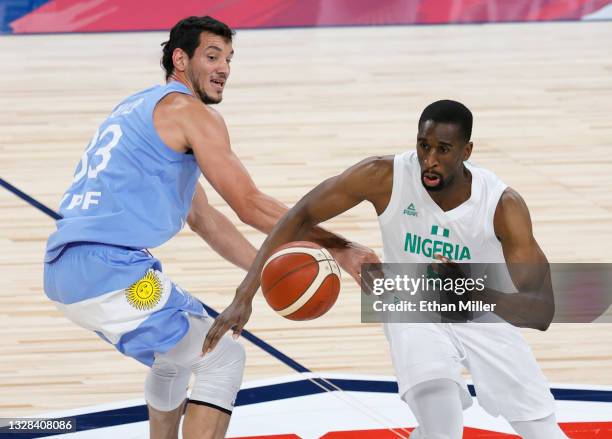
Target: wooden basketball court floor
[302,105]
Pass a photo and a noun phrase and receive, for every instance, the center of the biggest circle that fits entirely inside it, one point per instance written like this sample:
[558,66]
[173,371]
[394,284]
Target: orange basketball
[301,280]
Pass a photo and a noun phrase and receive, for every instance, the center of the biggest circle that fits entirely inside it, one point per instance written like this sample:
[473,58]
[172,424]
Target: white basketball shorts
[506,377]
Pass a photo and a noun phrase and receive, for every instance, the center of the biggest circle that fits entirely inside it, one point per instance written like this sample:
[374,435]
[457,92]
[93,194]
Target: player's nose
[223,69]
[431,159]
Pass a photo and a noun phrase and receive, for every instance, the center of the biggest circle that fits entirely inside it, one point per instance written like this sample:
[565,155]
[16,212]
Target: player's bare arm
[205,133]
[199,128]
[219,232]
[370,180]
[533,306]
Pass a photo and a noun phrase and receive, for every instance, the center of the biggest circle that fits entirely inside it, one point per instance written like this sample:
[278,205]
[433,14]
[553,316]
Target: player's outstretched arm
[206,134]
[369,180]
[533,306]
[219,232]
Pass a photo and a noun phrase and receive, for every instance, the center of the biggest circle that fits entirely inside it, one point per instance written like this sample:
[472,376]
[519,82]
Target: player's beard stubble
[204,97]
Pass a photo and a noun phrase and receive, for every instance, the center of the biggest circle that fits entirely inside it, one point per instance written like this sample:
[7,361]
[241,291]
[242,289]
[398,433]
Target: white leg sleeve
[540,428]
[166,386]
[218,374]
[437,406]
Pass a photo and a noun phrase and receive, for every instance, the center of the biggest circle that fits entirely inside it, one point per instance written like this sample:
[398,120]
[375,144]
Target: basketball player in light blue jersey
[134,188]
[433,204]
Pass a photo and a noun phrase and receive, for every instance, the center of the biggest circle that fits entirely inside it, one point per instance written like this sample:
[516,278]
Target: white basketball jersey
[414,228]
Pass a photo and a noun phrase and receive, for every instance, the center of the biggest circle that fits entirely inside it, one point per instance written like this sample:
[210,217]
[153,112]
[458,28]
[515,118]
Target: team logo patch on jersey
[145,293]
[411,210]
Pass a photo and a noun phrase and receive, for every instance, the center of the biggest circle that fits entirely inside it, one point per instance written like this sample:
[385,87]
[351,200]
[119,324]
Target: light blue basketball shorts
[122,295]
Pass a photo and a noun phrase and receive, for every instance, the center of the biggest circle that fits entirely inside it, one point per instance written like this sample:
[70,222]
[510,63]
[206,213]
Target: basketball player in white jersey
[422,192]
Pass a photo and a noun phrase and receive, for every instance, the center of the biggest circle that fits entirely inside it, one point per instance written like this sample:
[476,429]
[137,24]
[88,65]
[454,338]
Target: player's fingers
[214,334]
[237,330]
[207,342]
[436,268]
[441,258]
[366,282]
[370,272]
[210,342]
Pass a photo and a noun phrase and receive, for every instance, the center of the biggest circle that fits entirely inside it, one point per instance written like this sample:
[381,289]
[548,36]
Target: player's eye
[228,60]
[211,57]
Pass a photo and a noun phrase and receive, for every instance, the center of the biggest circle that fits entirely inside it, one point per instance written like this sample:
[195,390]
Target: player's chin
[213,98]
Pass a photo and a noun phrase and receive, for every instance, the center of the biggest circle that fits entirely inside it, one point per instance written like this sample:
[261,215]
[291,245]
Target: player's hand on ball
[447,268]
[233,317]
[351,257]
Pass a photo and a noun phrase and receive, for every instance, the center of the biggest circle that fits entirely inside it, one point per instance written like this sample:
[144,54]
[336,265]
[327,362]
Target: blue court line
[263,345]
[246,334]
[291,389]
[25,197]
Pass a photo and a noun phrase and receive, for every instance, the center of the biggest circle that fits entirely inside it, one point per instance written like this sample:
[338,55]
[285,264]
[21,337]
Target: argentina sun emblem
[145,293]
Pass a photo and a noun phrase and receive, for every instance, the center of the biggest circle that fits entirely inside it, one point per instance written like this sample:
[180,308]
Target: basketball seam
[288,316]
[303,292]
[291,250]
[284,312]
[270,288]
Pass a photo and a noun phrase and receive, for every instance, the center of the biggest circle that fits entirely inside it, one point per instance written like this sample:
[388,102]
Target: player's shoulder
[511,199]
[377,166]
[370,175]
[510,204]
[187,107]
[378,160]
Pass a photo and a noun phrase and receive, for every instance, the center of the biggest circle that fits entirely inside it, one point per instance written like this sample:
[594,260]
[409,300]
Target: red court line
[278,436]
[587,430]
[468,433]
[575,430]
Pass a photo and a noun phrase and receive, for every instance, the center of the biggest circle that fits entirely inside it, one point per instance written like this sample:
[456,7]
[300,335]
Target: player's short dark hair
[186,35]
[447,111]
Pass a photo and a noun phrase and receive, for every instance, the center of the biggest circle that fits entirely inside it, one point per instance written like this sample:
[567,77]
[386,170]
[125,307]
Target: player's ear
[467,151]
[180,59]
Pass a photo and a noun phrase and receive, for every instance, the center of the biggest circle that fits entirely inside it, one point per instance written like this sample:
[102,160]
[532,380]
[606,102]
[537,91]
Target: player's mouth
[431,179]
[218,84]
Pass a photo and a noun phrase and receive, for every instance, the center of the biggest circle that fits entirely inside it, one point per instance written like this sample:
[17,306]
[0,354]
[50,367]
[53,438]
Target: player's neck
[458,191]
[182,78]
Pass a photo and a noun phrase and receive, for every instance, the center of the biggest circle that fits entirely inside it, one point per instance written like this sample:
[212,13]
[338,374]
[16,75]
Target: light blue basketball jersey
[130,192]
[129,189]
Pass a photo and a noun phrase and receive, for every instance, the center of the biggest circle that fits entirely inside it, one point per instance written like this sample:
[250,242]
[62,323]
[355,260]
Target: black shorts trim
[208,404]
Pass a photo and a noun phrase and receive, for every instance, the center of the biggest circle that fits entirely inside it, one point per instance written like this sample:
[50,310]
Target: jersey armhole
[167,152]
[398,178]
[496,197]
